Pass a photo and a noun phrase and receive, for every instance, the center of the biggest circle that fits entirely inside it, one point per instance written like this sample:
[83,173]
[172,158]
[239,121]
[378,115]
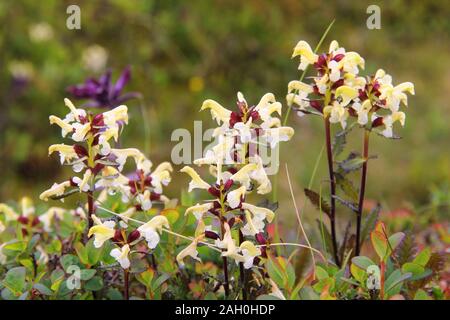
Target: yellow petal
[218,112]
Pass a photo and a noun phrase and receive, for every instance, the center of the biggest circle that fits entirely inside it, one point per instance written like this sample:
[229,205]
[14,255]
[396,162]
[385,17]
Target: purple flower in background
[102,92]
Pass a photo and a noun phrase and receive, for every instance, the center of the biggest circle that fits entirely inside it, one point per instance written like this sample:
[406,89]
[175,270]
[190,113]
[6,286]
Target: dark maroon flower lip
[102,92]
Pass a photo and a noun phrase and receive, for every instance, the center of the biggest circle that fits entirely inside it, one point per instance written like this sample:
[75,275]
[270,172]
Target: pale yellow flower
[55,190]
[219,113]
[196,181]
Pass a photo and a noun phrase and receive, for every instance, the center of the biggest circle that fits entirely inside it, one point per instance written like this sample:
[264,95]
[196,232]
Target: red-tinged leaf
[380,244]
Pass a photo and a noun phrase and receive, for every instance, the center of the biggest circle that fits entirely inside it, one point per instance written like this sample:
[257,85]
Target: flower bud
[133,236]
[211,235]
[23,220]
[118,237]
[260,238]
[214,192]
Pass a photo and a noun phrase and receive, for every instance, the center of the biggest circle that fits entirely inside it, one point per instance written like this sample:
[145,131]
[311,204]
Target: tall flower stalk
[327,96]
[237,165]
[101,167]
[336,94]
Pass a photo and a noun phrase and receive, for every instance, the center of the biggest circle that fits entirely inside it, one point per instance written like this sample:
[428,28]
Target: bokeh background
[182,52]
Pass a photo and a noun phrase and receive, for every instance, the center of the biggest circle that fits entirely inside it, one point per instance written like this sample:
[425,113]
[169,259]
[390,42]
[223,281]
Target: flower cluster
[100,167]
[337,92]
[238,168]
[91,153]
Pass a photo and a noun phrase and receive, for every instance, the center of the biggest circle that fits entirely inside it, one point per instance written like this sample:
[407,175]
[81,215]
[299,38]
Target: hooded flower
[196,182]
[199,209]
[55,191]
[150,230]
[235,197]
[189,251]
[249,253]
[102,231]
[121,255]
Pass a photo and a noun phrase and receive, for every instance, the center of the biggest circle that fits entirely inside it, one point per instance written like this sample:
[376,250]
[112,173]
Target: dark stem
[332,190]
[154,264]
[242,271]
[226,285]
[126,281]
[361,192]
[90,197]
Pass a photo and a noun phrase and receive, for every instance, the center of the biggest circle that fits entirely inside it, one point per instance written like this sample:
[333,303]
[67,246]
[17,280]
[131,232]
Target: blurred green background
[182,52]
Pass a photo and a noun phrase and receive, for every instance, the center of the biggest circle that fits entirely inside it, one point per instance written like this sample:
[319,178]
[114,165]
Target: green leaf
[321,273]
[379,241]
[95,284]
[114,294]
[93,253]
[33,242]
[281,272]
[362,262]
[339,142]
[351,205]
[86,274]
[319,202]
[27,263]
[358,273]
[347,187]
[146,277]
[326,236]
[395,240]
[43,289]
[322,284]
[352,163]
[68,260]
[370,222]
[159,281]
[56,278]
[423,257]
[394,281]
[15,245]
[15,280]
[422,295]
[307,293]
[274,272]
[54,247]
[82,253]
[414,268]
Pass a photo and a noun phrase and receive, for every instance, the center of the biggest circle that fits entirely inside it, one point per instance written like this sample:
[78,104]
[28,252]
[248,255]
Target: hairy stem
[332,190]
[362,190]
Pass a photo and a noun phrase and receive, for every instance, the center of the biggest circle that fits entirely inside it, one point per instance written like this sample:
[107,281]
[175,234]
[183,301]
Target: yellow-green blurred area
[183,52]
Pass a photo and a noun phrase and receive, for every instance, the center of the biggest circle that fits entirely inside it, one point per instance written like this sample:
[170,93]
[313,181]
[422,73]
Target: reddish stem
[361,192]
[332,190]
